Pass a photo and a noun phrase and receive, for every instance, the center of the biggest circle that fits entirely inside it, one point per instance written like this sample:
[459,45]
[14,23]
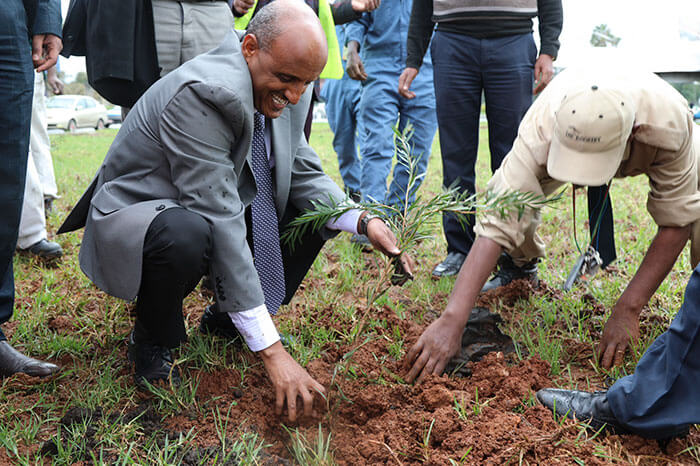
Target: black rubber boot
[508,271]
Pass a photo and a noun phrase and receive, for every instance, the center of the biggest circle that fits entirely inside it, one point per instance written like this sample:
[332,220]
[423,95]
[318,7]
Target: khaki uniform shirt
[663,147]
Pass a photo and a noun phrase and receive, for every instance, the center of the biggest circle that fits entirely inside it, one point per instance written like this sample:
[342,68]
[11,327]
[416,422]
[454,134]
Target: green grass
[92,348]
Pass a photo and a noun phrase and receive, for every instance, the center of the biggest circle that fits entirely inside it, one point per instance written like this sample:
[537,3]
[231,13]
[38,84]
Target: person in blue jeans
[479,47]
[30,37]
[381,36]
[660,400]
[342,97]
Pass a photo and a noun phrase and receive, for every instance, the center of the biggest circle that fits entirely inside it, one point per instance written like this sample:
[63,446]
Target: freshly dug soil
[375,418]
[488,418]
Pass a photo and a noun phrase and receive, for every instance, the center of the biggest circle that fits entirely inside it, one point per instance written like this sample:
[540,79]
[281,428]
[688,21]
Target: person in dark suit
[30,38]
[211,161]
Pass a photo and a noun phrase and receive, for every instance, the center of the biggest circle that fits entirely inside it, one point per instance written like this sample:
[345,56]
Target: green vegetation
[60,315]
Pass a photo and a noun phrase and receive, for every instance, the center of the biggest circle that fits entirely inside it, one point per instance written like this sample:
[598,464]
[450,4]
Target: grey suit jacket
[187,143]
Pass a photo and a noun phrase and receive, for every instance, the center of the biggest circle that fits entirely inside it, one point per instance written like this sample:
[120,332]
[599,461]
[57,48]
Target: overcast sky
[656,35]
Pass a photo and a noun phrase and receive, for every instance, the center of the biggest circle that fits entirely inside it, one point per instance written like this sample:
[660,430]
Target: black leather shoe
[450,266]
[12,362]
[508,271]
[219,324]
[45,249]
[593,408]
[152,363]
[48,205]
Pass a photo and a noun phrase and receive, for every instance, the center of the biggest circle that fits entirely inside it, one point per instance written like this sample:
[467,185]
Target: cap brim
[583,168]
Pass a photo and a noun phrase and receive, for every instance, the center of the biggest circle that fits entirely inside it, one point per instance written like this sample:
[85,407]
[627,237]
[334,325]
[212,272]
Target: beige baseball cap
[591,130]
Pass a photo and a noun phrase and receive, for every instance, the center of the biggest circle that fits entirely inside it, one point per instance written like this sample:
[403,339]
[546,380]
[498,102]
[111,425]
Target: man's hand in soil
[442,339]
[434,349]
[623,324]
[290,381]
[620,329]
[354,66]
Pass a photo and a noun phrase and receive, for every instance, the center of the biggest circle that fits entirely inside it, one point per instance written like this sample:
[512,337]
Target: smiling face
[282,70]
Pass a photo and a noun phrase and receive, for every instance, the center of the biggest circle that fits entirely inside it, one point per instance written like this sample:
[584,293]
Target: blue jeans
[464,67]
[381,108]
[662,394]
[16,89]
[342,98]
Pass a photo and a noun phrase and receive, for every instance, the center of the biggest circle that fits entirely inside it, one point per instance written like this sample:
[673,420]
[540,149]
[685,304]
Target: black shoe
[206,283]
[450,266]
[48,205]
[45,249]
[355,195]
[508,271]
[219,324]
[152,363]
[593,408]
[12,362]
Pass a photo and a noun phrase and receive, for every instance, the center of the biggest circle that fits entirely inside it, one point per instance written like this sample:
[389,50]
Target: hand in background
[45,50]
[361,6]
[54,82]
[405,80]
[242,6]
[544,72]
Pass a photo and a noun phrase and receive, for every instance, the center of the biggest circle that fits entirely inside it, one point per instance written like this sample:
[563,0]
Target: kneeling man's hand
[621,330]
[290,381]
[434,349]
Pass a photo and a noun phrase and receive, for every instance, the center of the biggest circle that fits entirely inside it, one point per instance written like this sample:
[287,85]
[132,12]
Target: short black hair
[265,24]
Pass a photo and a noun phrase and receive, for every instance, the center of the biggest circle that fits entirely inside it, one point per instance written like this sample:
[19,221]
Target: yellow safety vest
[334,65]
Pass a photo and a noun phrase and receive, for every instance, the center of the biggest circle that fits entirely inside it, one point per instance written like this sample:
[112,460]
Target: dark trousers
[16,88]
[176,254]
[662,394]
[604,238]
[464,67]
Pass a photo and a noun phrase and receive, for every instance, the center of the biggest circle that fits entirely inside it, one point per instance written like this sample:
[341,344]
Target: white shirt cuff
[346,222]
[256,326]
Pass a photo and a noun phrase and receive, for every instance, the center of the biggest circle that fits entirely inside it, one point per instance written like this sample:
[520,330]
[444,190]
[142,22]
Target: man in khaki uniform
[585,129]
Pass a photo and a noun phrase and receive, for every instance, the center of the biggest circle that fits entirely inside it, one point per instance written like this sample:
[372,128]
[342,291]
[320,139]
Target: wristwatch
[364,222]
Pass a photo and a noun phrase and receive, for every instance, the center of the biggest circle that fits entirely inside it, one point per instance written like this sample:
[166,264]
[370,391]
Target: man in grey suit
[182,192]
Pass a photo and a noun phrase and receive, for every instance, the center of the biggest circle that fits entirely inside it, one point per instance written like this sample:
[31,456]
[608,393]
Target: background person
[30,37]
[40,189]
[342,97]
[478,48]
[381,35]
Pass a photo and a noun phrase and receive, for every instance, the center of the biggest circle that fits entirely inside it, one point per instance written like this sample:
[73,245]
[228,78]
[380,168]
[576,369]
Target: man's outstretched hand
[384,240]
[434,349]
[290,382]
[620,329]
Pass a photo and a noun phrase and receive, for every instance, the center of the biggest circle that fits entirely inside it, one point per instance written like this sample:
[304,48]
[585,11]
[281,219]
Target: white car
[70,112]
